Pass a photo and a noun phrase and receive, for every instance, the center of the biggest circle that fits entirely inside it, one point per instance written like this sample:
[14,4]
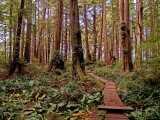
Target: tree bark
[22,39]
[78,68]
[48,35]
[88,55]
[5,43]
[117,44]
[66,33]
[59,20]
[112,39]
[121,16]
[27,53]
[10,32]
[35,34]
[94,34]
[105,34]
[139,27]
[15,61]
[101,33]
[40,36]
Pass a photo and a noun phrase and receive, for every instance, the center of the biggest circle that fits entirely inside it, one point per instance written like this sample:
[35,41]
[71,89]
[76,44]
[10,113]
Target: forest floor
[41,95]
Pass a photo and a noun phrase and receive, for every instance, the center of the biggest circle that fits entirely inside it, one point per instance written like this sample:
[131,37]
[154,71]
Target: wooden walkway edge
[113,104]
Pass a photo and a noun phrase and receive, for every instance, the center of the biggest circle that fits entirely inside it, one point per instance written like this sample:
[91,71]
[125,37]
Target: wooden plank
[115,108]
[116,116]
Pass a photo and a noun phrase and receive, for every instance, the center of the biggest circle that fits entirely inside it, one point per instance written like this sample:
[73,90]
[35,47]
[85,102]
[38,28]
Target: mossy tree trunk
[88,55]
[101,33]
[28,34]
[139,27]
[66,35]
[125,36]
[128,65]
[48,35]
[59,20]
[78,68]
[22,39]
[94,33]
[106,56]
[16,63]
[10,32]
[112,40]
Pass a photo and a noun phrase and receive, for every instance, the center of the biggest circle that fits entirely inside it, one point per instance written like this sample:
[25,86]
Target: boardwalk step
[115,109]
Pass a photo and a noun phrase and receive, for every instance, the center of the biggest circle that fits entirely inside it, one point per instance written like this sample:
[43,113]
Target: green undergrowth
[139,89]
[41,95]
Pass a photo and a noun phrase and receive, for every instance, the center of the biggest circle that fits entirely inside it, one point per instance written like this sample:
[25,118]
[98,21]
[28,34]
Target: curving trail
[113,103]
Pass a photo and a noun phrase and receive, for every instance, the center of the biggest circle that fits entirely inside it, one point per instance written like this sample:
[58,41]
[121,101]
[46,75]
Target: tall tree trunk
[43,47]
[146,52]
[5,43]
[122,31]
[117,44]
[35,32]
[105,34]
[27,53]
[78,68]
[127,40]
[48,36]
[40,42]
[118,33]
[66,33]
[14,37]
[125,36]
[153,32]
[22,39]
[69,44]
[59,20]
[139,27]
[62,41]
[100,39]
[112,39]
[10,32]
[135,45]
[15,61]
[94,34]
[88,55]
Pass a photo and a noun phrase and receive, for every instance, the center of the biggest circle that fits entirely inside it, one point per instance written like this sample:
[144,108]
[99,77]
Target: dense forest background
[46,28]
[46,46]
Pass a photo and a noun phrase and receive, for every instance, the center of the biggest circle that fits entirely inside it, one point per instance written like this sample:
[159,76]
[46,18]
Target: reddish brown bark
[100,39]
[88,55]
[10,32]
[105,34]
[94,34]
[15,63]
[22,39]
[48,36]
[139,27]
[27,53]
[78,68]
[66,33]
[59,21]
[112,60]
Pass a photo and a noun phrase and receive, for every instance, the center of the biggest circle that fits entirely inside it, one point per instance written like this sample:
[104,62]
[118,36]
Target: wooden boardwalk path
[113,103]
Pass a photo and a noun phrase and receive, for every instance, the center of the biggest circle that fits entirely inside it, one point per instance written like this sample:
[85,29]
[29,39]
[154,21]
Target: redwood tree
[88,55]
[94,33]
[28,34]
[78,68]
[16,63]
[125,36]
[59,21]
[105,34]
[139,27]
